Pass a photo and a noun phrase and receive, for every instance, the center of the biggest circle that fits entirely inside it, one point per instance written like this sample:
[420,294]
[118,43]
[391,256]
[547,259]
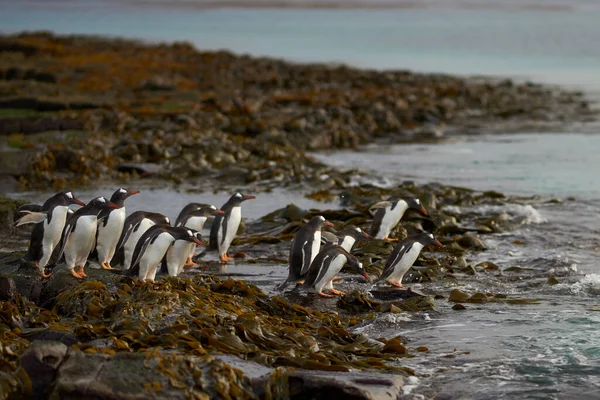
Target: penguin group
[317,256]
[139,243]
[145,242]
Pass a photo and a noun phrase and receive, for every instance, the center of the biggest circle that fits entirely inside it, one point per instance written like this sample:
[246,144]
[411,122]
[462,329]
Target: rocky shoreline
[76,110]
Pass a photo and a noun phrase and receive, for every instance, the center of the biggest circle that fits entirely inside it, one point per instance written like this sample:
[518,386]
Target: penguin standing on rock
[134,227]
[387,214]
[50,221]
[79,236]
[111,227]
[225,227]
[326,265]
[403,257]
[193,216]
[152,247]
[305,247]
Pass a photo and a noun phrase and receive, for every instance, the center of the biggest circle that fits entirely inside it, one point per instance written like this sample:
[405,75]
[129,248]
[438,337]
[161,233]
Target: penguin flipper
[307,256]
[214,233]
[140,249]
[31,217]
[126,233]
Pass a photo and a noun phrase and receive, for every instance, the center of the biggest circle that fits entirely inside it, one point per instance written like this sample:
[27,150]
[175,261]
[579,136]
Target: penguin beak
[365,234]
[132,192]
[198,242]
[220,212]
[112,205]
[437,243]
[423,210]
[77,201]
[328,223]
[248,197]
[363,273]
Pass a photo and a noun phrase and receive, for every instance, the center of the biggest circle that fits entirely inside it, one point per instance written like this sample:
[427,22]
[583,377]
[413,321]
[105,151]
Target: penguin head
[193,236]
[416,204]
[427,238]
[99,204]
[69,198]
[121,194]
[355,232]
[239,197]
[318,221]
[358,267]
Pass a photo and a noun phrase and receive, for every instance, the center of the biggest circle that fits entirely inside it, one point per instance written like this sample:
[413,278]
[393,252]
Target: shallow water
[549,350]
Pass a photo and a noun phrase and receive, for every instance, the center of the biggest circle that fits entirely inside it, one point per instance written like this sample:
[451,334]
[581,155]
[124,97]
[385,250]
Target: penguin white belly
[316,247]
[81,241]
[347,243]
[52,233]
[108,236]
[153,255]
[197,224]
[335,267]
[129,246]
[233,223]
[406,262]
[177,256]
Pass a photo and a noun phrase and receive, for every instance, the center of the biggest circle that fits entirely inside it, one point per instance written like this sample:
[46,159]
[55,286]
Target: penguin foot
[387,239]
[328,296]
[189,262]
[224,258]
[337,278]
[337,292]
[300,282]
[80,271]
[44,275]
[107,266]
[396,284]
[75,274]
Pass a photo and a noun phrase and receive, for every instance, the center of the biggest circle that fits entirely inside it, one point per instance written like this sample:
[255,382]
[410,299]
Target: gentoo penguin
[225,227]
[79,235]
[50,221]
[346,237]
[152,247]
[177,255]
[111,227]
[403,256]
[305,247]
[326,265]
[193,216]
[387,214]
[134,227]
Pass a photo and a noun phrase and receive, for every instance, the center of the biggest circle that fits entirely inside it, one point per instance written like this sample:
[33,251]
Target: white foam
[529,213]
[412,382]
[589,284]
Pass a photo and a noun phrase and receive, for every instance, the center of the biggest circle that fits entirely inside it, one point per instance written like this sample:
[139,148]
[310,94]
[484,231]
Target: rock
[8,289]
[59,372]
[8,214]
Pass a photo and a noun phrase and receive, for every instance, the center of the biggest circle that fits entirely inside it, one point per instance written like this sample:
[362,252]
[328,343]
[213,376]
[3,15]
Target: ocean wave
[588,285]
[525,214]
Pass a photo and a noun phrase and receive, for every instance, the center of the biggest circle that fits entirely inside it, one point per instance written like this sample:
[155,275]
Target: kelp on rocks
[199,316]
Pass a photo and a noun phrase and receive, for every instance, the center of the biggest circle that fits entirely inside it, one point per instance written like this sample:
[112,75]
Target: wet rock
[8,289]
[471,242]
[8,215]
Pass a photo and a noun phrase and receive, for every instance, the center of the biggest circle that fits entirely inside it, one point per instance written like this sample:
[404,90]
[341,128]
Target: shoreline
[131,109]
